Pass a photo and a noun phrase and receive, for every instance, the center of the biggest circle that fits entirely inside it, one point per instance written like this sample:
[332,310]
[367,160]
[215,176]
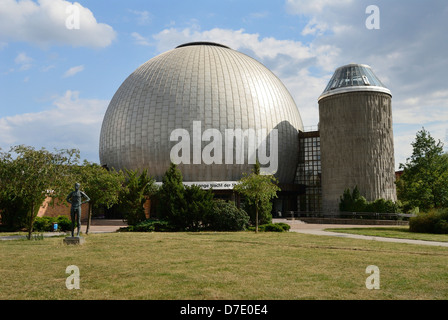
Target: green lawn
[392,232]
[241,265]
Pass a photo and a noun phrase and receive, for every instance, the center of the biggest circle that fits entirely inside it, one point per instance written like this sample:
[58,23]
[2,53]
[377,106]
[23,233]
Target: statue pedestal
[74,240]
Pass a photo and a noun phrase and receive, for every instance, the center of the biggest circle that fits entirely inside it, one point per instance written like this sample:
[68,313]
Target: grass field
[393,232]
[242,265]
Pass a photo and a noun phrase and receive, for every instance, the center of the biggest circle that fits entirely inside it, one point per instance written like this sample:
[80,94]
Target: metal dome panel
[198,82]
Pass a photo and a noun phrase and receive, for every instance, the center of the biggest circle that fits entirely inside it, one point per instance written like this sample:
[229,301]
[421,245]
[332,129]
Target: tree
[258,189]
[171,195]
[185,207]
[352,202]
[29,177]
[139,186]
[264,211]
[196,204]
[424,182]
[264,208]
[101,185]
[346,201]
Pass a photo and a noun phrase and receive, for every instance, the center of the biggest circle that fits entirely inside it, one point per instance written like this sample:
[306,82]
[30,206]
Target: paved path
[97,226]
[318,229]
[102,226]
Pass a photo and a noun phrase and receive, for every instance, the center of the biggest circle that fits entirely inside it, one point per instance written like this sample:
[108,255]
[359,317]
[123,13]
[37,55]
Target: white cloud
[22,58]
[306,7]
[265,49]
[406,53]
[24,61]
[402,146]
[44,23]
[72,71]
[143,17]
[47,68]
[235,39]
[255,16]
[139,39]
[259,15]
[314,28]
[72,122]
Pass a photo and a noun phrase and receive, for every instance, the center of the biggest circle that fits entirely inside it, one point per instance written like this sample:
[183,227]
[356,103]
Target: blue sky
[56,82]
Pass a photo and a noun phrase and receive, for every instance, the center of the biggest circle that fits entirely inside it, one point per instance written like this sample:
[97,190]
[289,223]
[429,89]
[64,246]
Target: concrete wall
[357,147]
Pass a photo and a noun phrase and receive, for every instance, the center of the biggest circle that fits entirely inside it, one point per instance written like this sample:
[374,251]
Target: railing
[310,128]
[375,215]
[350,215]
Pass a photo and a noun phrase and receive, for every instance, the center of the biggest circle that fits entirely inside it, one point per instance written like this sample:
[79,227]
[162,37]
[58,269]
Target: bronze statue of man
[75,199]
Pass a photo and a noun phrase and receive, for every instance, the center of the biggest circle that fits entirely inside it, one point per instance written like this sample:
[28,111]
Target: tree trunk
[30,226]
[256,218]
[89,216]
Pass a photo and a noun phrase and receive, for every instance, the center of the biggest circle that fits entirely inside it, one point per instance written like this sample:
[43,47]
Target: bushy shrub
[407,207]
[197,204]
[45,224]
[424,222]
[226,217]
[346,201]
[354,202]
[150,225]
[360,205]
[284,226]
[272,227]
[64,223]
[133,216]
[441,227]
[433,221]
[382,206]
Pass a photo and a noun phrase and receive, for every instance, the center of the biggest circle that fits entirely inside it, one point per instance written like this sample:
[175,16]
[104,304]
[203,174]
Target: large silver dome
[197,83]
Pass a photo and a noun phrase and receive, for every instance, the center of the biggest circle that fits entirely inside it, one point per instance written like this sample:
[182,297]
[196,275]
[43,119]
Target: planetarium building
[214,111]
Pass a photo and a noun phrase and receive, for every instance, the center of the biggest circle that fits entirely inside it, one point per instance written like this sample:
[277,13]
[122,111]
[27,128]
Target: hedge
[45,224]
[272,227]
[433,221]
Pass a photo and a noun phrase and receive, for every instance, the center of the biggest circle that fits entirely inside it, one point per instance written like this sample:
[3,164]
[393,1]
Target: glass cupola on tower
[353,77]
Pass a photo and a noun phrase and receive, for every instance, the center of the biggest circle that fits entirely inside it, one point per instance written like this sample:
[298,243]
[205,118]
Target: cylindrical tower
[356,134]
